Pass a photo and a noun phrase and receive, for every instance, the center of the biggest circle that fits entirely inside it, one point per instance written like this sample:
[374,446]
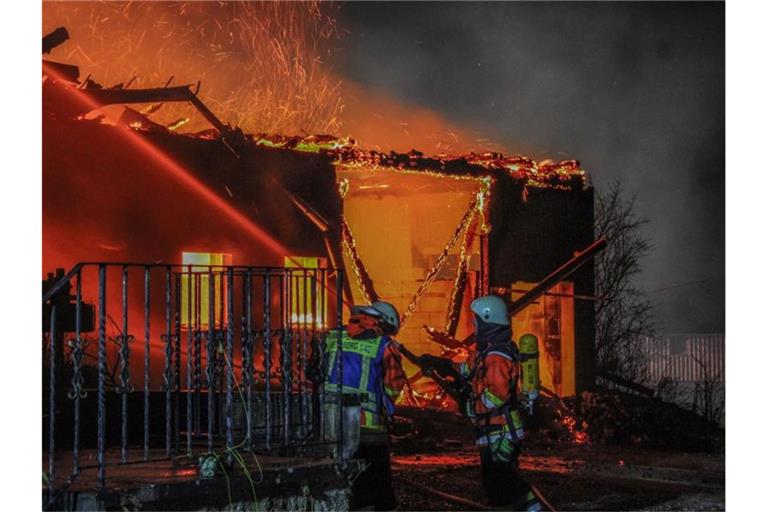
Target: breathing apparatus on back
[529,369]
[492,327]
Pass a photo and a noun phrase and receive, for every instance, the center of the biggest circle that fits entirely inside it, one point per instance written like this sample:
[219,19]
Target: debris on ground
[600,450]
[615,418]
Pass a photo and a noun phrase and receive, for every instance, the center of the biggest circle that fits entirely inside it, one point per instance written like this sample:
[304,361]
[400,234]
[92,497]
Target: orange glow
[379,121]
[551,320]
[301,290]
[262,64]
[177,171]
[416,216]
[184,176]
[579,436]
[200,275]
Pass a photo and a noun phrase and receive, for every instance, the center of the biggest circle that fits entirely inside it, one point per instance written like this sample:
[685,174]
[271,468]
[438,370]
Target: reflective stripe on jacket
[369,369]
[494,386]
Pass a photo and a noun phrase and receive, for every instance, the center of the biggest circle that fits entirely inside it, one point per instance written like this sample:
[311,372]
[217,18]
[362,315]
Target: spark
[261,62]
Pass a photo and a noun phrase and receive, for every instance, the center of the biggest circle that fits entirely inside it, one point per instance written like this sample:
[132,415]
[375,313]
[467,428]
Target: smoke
[377,120]
[633,90]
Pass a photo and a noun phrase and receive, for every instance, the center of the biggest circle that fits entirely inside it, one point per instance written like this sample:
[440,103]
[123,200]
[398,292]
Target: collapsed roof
[343,152]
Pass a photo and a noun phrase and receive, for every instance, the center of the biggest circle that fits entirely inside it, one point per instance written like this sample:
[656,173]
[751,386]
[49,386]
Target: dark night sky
[635,91]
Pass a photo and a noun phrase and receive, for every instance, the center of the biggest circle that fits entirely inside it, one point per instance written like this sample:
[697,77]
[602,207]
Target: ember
[263,63]
[576,429]
[218,222]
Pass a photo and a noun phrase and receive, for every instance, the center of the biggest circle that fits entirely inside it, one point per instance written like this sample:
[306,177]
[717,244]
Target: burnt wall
[113,196]
[534,232]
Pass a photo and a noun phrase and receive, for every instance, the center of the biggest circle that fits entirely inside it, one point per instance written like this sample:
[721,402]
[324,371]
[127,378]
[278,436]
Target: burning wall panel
[551,320]
[401,223]
[534,231]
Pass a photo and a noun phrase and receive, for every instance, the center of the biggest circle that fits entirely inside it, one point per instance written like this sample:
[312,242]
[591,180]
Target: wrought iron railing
[206,358]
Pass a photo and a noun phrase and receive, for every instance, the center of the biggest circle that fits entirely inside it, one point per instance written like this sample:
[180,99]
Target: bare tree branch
[623,314]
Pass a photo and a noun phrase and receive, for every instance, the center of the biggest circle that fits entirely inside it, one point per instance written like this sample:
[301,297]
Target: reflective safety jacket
[371,367]
[494,409]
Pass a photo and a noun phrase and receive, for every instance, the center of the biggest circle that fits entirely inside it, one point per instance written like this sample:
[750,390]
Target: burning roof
[566,174]
[343,151]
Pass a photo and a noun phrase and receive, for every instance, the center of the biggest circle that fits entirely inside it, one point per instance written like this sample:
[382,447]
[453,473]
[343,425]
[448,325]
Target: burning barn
[257,242]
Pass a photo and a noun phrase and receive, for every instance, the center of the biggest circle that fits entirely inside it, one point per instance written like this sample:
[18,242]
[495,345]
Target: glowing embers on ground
[452,459]
[468,457]
[575,429]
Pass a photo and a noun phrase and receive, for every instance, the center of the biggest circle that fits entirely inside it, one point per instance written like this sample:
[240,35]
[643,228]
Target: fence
[685,358]
[685,369]
[200,359]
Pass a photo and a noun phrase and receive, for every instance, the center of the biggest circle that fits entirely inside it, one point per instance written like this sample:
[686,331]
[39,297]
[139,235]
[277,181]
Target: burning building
[280,232]
[426,233]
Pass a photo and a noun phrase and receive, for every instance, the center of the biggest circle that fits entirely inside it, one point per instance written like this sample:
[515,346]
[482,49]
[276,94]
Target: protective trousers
[373,487]
[503,485]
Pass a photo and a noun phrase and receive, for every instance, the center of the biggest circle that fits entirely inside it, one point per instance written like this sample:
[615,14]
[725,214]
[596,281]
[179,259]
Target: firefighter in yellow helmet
[493,370]
[373,369]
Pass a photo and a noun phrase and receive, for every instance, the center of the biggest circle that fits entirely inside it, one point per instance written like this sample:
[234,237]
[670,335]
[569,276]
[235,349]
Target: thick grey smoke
[636,91]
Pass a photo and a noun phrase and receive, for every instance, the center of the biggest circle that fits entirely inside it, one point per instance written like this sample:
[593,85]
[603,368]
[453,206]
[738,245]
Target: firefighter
[372,367]
[494,408]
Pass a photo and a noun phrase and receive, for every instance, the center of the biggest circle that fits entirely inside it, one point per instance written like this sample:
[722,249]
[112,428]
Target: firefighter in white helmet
[493,371]
[372,369]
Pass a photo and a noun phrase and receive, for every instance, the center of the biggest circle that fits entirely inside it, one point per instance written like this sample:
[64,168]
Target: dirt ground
[586,477]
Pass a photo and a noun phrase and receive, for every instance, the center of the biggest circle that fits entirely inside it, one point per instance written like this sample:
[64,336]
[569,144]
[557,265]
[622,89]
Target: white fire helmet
[384,310]
[491,309]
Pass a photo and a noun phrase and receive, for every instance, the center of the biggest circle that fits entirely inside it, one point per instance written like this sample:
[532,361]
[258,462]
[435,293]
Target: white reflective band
[534,507]
[487,402]
[493,438]
[502,354]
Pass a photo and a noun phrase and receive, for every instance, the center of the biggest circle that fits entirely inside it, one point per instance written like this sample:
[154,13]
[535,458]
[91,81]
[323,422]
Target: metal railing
[222,356]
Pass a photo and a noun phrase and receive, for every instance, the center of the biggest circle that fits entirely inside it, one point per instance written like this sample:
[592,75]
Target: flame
[262,64]
[264,67]
[381,122]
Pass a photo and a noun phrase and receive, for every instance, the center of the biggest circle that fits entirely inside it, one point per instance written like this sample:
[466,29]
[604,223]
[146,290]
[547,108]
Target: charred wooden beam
[152,95]
[64,71]
[54,39]
[566,269]
[330,236]
[155,95]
